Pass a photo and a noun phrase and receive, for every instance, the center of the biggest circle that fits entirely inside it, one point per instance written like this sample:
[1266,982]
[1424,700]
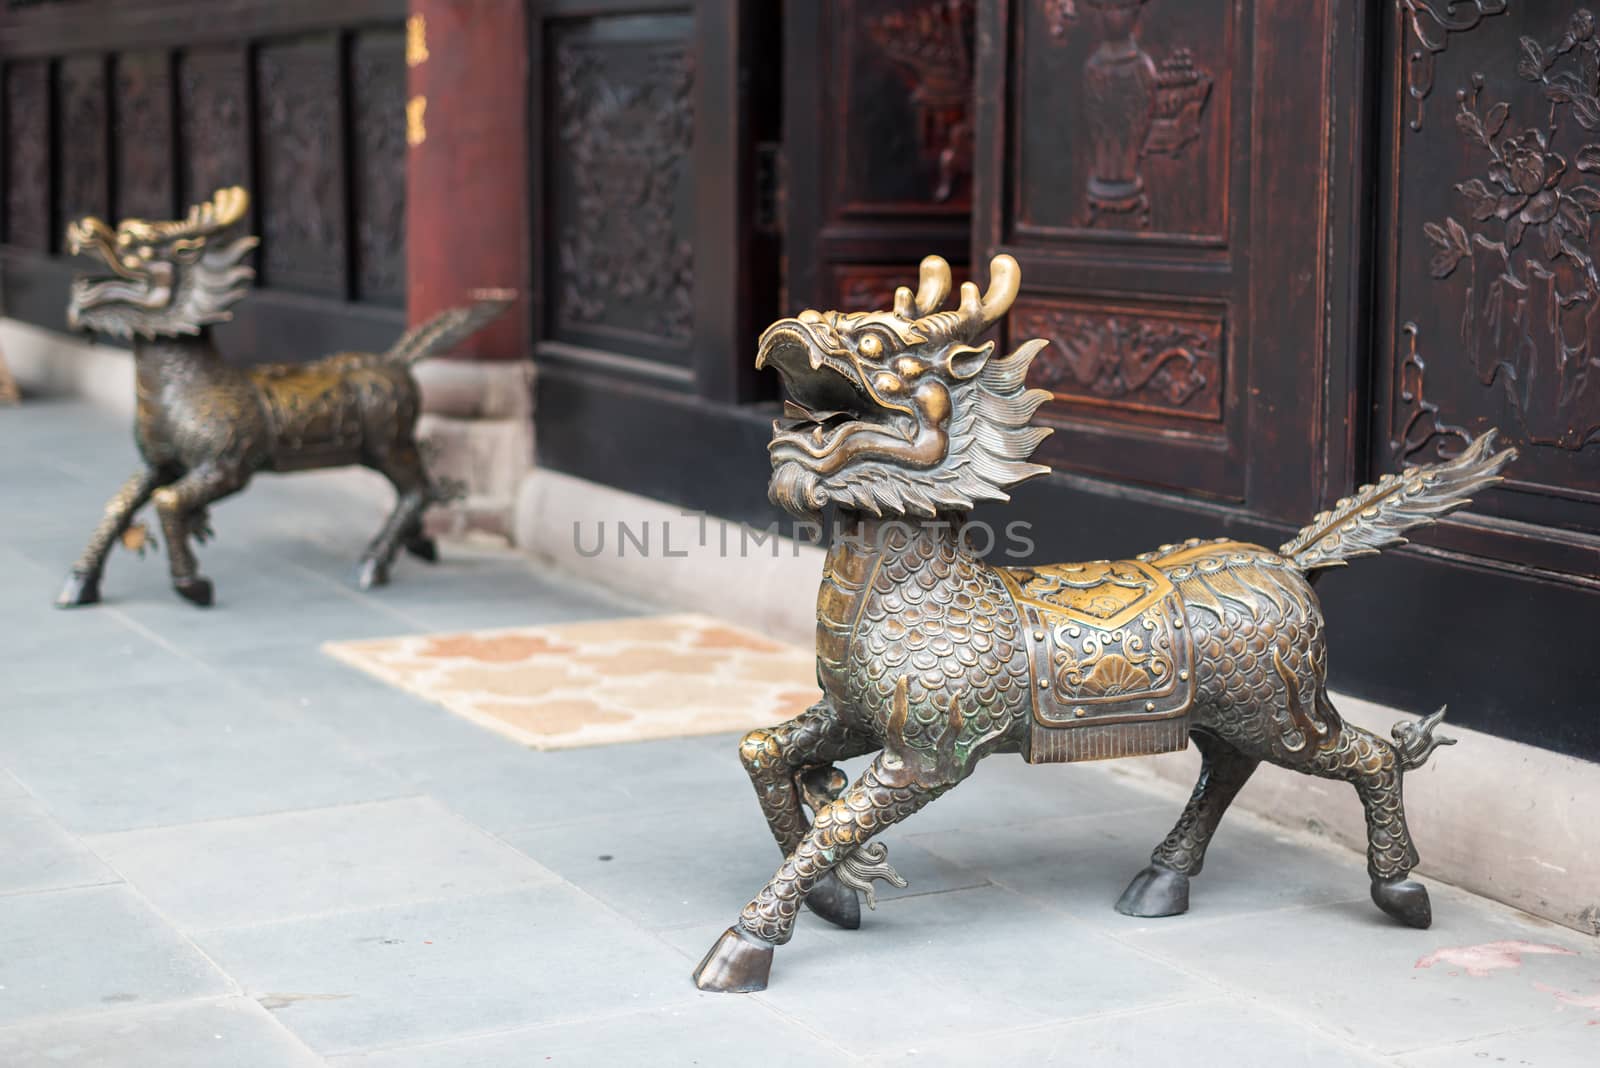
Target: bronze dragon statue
[933,659]
[204,427]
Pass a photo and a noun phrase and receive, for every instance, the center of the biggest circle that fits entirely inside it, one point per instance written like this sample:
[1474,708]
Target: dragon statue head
[165,278]
[900,412]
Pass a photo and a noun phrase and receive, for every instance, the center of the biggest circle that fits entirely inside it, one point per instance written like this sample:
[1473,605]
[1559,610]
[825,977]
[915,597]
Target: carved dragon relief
[931,46]
[1531,325]
[1135,107]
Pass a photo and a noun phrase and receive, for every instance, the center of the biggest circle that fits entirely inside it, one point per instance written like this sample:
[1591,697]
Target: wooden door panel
[1489,287]
[1122,119]
[878,143]
[1109,143]
[901,99]
[619,265]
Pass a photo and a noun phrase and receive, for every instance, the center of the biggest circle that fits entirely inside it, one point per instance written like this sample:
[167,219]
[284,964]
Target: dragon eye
[871,346]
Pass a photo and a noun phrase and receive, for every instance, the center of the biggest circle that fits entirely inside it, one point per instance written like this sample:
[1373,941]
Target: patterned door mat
[599,682]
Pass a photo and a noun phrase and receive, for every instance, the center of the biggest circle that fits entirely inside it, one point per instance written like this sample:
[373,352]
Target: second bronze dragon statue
[205,427]
[933,659]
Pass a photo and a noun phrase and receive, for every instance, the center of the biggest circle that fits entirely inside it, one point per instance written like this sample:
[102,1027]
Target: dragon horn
[934,284]
[1005,279]
[226,207]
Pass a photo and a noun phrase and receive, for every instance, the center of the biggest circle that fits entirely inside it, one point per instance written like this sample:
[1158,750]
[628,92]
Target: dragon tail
[1377,516]
[449,328]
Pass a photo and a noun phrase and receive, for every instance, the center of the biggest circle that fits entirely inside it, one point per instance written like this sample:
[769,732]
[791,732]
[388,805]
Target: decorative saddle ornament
[1111,660]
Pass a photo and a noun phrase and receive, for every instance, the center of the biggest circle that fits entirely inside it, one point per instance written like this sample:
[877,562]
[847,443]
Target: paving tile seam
[119,1011]
[1064,1022]
[116,1011]
[1089,818]
[158,913]
[1256,1001]
[532,883]
[337,806]
[83,835]
[1402,1053]
[352,1052]
[35,891]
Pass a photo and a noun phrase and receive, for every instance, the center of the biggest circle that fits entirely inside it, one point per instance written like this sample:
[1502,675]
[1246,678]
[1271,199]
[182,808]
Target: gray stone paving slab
[1005,790]
[146,756]
[227,1033]
[507,788]
[10,788]
[437,970]
[369,715]
[37,854]
[1206,1034]
[1573,1039]
[1082,864]
[625,863]
[711,1031]
[53,652]
[225,873]
[239,776]
[72,951]
[977,960]
[1362,976]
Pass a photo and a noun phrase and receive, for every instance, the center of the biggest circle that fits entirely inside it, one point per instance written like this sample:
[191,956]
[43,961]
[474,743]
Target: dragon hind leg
[1162,889]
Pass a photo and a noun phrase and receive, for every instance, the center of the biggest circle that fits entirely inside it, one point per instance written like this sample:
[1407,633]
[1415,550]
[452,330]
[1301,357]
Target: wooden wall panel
[1128,357]
[128,110]
[878,145]
[620,264]
[378,148]
[143,150]
[1122,120]
[304,244]
[1108,143]
[27,155]
[214,121]
[1492,297]
[83,140]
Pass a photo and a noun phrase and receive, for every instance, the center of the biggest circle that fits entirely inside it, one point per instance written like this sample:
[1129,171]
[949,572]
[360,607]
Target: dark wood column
[466,194]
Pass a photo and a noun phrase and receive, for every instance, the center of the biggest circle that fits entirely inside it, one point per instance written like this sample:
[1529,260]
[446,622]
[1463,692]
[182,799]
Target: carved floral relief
[1429,24]
[1519,246]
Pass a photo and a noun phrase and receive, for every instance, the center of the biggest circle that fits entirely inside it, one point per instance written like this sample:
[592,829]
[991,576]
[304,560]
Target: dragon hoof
[1404,899]
[423,549]
[1156,891]
[739,963]
[372,574]
[80,589]
[835,902]
[195,590]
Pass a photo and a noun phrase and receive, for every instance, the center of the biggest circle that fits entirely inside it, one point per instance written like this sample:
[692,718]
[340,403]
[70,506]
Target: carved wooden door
[877,145]
[1489,288]
[1133,155]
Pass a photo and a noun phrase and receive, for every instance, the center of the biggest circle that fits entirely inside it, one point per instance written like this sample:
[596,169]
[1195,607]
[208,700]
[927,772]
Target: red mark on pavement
[1591,1002]
[1488,957]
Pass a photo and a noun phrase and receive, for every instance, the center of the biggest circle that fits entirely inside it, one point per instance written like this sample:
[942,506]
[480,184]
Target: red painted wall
[466,193]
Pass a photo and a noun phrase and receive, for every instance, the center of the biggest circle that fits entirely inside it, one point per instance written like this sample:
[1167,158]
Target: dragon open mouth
[827,403]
